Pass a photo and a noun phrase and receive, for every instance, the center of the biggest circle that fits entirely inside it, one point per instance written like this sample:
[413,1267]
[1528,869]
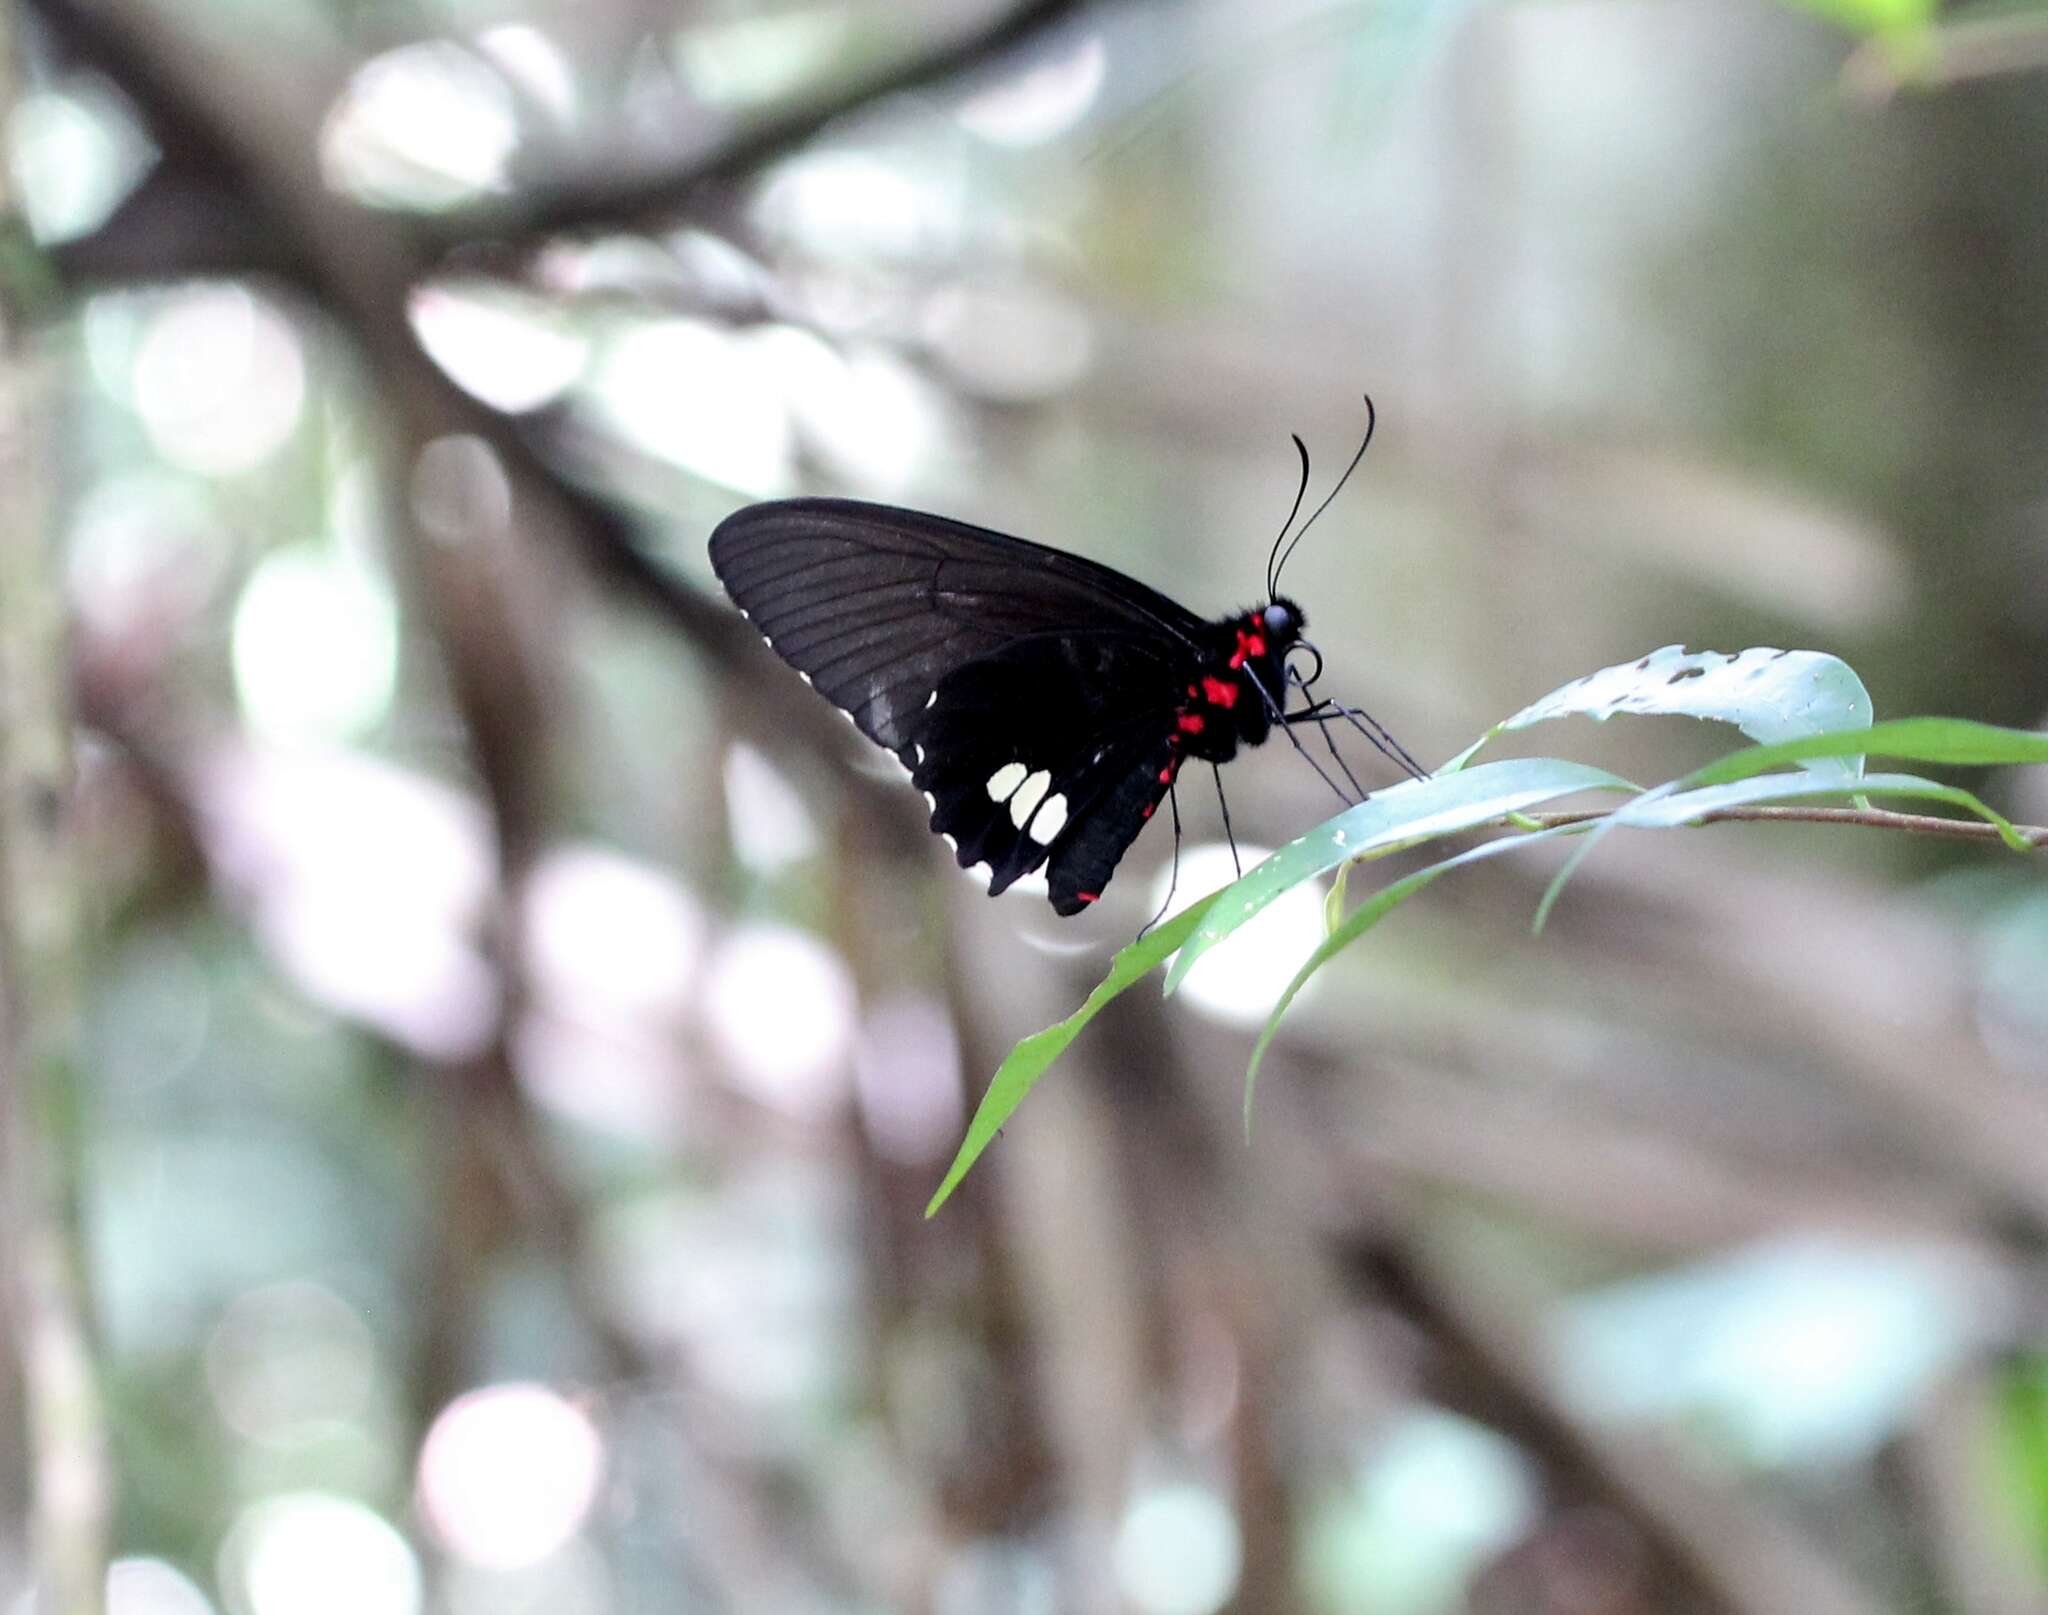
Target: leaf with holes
[1770,695]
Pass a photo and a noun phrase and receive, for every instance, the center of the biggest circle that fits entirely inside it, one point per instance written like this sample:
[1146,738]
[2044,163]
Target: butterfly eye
[1279,620]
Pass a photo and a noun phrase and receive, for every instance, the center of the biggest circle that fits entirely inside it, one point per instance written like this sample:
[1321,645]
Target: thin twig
[1924,824]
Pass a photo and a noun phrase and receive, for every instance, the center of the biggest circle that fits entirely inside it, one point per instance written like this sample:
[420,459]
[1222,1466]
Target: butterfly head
[1284,622]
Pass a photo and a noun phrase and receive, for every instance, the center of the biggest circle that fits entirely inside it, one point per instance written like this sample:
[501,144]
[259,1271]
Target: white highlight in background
[1241,978]
[313,1553]
[508,1474]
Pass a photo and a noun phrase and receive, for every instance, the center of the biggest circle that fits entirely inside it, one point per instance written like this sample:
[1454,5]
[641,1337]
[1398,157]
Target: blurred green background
[500,1029]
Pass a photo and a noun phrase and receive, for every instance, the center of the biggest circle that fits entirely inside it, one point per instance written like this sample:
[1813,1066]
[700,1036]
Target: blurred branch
[190,216]
[1745,1559]
[613,201]
[1919,824]
[40,1135]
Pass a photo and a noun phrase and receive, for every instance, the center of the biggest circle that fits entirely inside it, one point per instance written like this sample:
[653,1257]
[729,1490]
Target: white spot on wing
[931,700]
[918,750]
[932,802]
[1028,796]
[1051,819]
[1005,780]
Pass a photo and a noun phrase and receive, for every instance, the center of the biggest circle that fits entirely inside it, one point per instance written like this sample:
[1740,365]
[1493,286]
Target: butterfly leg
[1329,740]
[1172,880]
[1326,711]
[1283,722]
[1229,835]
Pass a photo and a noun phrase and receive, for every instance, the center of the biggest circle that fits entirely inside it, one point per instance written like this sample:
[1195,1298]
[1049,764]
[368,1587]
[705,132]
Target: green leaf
[1921,740]
[1362,919]
[1027,1062]
[1770,695]
[1899,19]
[1399,816]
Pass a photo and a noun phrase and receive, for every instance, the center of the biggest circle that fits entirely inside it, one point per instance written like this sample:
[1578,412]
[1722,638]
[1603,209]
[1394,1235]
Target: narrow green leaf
[1770,695]
[1672,805]
[1362,919]
[1683,807]
[1922,740]
[1401,815]
[1027,1062]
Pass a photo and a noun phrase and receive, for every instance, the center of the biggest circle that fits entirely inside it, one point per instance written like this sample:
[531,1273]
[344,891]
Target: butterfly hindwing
[1020,753]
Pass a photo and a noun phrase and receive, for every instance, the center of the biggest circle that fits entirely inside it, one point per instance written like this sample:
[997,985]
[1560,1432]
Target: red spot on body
[1150,809]
[1219,692]
[1191,723]
[1089,897]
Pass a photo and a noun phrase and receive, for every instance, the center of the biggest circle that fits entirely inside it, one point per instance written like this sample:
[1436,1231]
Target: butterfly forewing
[875,605]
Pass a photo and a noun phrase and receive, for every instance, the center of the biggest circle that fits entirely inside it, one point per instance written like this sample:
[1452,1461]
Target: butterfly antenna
[1279,565]
[1300,492]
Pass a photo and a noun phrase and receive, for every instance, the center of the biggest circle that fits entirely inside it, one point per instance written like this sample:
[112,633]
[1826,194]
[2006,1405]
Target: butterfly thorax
[1231,701]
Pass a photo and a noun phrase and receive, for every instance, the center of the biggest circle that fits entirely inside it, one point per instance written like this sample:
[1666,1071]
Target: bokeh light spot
[423,126]
[1178,1551]
[700,398]
[771,827]
[218,379]
[781,1010]
[313,1553]
[74,153]
[315,646]
[1044,100]
[151,1587]
[1240,979]
[508,1474]
[512,352]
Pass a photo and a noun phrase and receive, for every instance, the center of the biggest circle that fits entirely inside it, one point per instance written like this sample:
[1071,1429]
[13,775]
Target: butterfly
[1044,704]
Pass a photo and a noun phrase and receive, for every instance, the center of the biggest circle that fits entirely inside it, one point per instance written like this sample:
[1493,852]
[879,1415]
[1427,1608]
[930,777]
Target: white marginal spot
[800,673]
[932,802]
[1050,820]
[919,750]
[1005,780]
[1028,796]
[931,700]
[944,835]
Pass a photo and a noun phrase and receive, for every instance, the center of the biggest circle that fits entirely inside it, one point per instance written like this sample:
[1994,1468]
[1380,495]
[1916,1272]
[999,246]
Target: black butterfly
[1043,703]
